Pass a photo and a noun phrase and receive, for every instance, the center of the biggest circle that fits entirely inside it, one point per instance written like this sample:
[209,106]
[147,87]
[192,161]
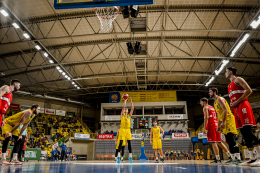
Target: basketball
[125,96]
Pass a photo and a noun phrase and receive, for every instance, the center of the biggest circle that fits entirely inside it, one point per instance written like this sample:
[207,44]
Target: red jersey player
[6,97]
[239,91]
[211,124]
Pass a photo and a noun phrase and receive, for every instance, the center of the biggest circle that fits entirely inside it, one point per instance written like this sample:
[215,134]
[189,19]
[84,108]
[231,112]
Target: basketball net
[106,16]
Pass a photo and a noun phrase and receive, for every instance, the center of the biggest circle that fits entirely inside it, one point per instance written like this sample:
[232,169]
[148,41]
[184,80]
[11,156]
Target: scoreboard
[145,122]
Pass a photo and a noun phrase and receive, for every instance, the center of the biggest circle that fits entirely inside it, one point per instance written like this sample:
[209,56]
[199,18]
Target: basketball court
[97,66]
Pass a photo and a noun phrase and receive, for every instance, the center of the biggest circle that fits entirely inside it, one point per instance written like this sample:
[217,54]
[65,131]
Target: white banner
[180,135]
[41,110]
[255,105]
[112,118]
[202,136]
[81,136]
[55,145]
[50,111]
[176,116]
[60,112]
[25,107]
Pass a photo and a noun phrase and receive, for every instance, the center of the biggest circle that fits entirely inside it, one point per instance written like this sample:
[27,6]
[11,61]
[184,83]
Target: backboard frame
[99,3]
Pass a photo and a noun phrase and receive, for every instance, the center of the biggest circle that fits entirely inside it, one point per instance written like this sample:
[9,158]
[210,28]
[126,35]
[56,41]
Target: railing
[200,129]
[86,127]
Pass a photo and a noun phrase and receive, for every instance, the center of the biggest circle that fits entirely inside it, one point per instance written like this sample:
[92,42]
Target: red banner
[105,136]
[180,135]
[14,106]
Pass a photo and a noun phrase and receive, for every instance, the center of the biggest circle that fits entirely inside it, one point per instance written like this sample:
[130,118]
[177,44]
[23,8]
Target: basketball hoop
[106,16]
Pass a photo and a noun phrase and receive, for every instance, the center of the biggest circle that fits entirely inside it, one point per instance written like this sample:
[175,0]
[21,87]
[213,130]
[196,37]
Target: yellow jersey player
[125,134]
[10,130]
[226,124]
[157,140]
[117,141]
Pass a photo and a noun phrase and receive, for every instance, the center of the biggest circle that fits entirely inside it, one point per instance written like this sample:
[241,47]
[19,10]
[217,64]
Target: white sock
[115,158]
[233,156]
[228,154]
[217,157]
[238,156]
[3,156]
[258,152]
[156,158]
[118,155]
[122,158]
[15,156]
[130,154]
[251,153]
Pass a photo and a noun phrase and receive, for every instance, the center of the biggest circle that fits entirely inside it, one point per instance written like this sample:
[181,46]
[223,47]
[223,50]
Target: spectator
[54,137]
[170,131]
[257,133]
[112,132]
[107,132]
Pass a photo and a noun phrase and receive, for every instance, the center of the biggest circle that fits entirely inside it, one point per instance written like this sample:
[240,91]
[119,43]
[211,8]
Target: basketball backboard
[68,4]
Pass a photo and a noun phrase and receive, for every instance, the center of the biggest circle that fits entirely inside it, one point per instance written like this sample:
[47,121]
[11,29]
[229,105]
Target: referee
[63,151]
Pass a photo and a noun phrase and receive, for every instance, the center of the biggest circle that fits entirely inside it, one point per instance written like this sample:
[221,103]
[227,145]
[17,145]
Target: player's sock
[156,158]
[217,157]
[3,156]
[118,155]
[238,156]
[130,154]
[258,152]
[115,158]
[251,154]
[15,156]
[228,154]
[233,156]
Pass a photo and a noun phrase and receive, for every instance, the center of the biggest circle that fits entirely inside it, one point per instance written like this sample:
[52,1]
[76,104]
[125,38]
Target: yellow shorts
[8,128]
[230,126]
[118,142]
[125,135]
[157,144]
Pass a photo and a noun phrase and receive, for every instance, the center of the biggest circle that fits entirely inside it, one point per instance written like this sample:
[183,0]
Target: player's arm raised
[222,103]
[247,92]
[123,109]
[151,135]
[162,132]
[132,107]
[206,118]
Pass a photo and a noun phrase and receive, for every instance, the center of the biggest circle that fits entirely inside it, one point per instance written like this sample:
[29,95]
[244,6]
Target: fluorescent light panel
[255,23]
[224,63]
[210,80]
[239,45]
[38,47]
[4,12]
[26,35]
[45,54]
[15,25]
[58,67]
[51,61]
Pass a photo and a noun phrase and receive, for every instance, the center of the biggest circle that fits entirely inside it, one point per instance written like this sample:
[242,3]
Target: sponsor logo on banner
[41,110]
[112,118]
[50,111]
[180,116]
[8,151]
[25,107]
[31,154]
[255,105]
[114,97]
[60,112]
[56,145]
[81,136]
[202,136]
[180,135]
[14,106]
[71,114]
[105,136]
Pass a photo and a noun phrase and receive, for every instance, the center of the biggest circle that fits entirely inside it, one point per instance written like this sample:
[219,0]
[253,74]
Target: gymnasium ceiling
[183,43]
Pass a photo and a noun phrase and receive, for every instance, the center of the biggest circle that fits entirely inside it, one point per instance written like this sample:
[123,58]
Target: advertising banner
[202,136]
[105,136]
[176,116]
[71,114]
[60,112]
[50,111]
[112,118]
[255,105]
[145,96]
[81,136]
[25,107]
[14,106]
[180,135]
[30,153]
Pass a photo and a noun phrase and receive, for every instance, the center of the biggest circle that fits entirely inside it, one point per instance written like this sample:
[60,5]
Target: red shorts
[213,135]
[244,115]
[0,120]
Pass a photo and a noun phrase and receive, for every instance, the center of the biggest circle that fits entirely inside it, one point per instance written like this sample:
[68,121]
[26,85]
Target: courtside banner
[14,106]
[112,118]
[180,135]
[50,111]
[174,117]
[105,136]
[60,112]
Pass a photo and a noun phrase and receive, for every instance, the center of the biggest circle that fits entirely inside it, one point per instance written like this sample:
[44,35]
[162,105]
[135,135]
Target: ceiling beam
[143,9]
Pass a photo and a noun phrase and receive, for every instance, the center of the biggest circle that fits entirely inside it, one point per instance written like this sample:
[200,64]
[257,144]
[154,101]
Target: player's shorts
[118,142]
[244,115]
[230,125]
[8,128]
[213,135]
[1,120]
[125,134]
[157,144]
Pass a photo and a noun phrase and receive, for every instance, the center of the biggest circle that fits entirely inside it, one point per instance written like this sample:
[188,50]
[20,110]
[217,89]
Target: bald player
[6,97]
[10,130]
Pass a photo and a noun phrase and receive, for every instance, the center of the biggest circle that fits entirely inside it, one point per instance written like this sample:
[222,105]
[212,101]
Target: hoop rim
[106,17]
